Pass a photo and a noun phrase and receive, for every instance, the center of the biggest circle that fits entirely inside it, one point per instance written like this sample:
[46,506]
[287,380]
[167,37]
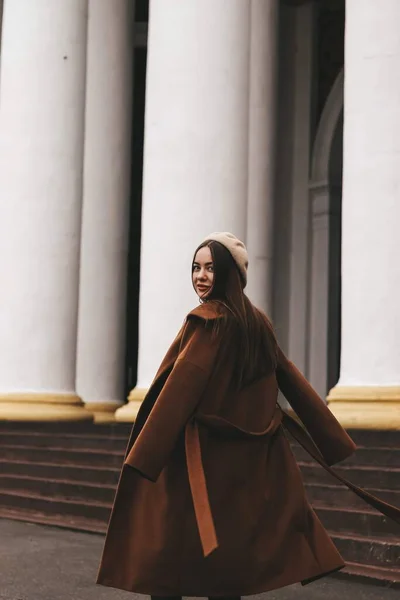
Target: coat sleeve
[177,400]
[331,439]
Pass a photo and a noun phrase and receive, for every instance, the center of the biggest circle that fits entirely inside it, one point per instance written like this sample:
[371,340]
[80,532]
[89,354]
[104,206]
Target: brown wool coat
[210,500]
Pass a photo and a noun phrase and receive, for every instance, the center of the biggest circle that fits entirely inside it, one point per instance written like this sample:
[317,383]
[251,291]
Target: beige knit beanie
[236,248]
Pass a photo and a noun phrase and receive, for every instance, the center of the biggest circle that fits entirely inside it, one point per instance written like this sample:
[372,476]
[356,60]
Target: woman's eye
[211,269]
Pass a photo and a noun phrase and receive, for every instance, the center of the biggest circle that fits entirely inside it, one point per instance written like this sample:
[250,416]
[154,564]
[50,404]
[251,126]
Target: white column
[368,392]
[262,129]
[196,157]
[43,67]
[107,168]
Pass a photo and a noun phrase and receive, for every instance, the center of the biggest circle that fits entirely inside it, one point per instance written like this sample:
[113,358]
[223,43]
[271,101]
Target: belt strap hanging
[306,442]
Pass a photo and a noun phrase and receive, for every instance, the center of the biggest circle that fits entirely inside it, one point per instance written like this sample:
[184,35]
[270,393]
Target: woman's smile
[203,272]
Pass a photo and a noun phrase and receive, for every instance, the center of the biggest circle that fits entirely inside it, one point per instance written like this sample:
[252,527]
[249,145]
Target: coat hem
[320,575]
[312,577]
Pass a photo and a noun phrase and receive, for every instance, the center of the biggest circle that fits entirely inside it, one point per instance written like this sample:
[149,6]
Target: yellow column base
[128,412]
[366,407]
[103,412]
[42,407]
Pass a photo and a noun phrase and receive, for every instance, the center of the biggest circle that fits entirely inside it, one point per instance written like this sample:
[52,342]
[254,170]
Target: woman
[210,500]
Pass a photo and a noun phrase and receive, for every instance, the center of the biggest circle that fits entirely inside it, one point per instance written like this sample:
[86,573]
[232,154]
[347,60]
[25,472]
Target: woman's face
[203,272]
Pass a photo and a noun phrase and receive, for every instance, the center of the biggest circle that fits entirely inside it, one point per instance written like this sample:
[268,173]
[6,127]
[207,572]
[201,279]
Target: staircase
[66,474]
[60,474]
[368,541]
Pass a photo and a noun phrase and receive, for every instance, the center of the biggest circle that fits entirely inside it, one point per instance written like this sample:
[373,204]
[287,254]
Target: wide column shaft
[43,68]
[368,392]
[107,169]
[195,158]
[262,151]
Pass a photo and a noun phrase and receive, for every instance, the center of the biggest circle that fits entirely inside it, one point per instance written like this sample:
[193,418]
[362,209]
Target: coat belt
[195,467]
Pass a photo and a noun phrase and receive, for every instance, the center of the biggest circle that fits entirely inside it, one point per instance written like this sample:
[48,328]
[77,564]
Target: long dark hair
[257,352]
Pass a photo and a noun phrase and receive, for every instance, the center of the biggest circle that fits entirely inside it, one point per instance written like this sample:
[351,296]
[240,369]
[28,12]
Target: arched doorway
[325,271]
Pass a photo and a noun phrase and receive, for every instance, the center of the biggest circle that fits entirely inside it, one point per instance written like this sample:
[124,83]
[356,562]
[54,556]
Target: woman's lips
[202,288]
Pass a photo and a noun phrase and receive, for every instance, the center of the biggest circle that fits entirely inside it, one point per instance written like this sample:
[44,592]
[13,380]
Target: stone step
[104,458]
[89,474]
[384,577]
[66,441]
[340,496]
[390,457]
[67,427]
[361,475]
[63,521]
[366,438]
[17,500]
[376,552]
[68,490]
[366,523]
[371,438]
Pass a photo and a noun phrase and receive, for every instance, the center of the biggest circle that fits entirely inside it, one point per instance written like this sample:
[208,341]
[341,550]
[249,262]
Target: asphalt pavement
[47,563]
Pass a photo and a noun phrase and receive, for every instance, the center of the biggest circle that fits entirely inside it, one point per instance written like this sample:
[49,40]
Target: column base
[128,412]
[366,407]
[103,412]
[42,407]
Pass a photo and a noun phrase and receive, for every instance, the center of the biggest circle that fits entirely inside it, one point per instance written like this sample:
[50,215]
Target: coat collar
[210,311]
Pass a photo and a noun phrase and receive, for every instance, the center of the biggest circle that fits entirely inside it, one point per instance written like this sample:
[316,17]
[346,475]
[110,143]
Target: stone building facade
[129,132]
